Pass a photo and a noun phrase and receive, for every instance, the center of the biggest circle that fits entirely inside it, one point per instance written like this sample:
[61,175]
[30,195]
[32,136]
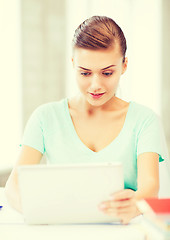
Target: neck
[92,110]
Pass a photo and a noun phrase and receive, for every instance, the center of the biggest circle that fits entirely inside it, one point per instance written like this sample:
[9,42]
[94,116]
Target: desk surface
[12,226]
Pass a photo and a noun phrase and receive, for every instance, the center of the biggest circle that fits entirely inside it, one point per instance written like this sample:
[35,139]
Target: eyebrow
[101,69]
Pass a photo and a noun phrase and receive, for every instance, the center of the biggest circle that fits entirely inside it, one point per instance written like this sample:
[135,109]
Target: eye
[85,73]
[107,73]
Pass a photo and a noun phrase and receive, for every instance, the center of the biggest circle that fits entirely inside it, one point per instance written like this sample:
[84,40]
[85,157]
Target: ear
[72,59]
[124,67]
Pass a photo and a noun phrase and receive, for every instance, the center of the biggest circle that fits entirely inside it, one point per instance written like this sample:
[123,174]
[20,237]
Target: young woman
[97,126]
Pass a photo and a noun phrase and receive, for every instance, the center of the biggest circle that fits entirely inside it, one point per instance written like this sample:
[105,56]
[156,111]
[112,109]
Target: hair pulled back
[99,32]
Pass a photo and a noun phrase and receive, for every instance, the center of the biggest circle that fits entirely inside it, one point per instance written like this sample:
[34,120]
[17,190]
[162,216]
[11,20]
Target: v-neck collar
[79,141]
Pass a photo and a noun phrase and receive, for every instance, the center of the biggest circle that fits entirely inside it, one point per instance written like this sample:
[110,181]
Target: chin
[96,103]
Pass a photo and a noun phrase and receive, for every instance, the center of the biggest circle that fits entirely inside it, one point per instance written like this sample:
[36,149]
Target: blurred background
[35,58]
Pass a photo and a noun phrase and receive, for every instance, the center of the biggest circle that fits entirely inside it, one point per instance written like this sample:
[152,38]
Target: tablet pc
[57,194]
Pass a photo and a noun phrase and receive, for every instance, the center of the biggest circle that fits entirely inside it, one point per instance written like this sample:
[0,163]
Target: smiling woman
[99,48]
[95,125]
[98,71]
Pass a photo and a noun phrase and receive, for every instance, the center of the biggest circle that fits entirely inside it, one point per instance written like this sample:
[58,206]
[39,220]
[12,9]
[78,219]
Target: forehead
[99,58]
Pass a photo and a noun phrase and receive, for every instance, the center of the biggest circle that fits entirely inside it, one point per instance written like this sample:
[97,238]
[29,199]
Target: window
[10,78]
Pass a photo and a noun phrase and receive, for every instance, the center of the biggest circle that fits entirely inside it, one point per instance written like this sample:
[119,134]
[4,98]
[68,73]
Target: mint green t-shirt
[50,130]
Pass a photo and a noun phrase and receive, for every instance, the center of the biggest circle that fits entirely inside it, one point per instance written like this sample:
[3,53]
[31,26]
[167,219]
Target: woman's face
[98,73]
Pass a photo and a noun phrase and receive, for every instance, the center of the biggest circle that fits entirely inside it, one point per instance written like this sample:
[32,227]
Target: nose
[95,83]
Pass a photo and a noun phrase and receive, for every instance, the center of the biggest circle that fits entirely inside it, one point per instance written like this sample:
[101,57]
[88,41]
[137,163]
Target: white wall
[43,55]
[76,12]
[10,81]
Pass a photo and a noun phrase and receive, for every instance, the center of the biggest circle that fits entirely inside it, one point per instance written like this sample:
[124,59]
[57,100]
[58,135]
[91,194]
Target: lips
[96,95]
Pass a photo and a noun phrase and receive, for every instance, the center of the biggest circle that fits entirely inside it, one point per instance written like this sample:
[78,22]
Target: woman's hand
[122,205]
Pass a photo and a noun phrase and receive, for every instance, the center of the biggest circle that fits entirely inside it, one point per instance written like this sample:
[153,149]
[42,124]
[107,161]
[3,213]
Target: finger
[117,204]
[124,215]
[124,218]
[120,211]
[122,195]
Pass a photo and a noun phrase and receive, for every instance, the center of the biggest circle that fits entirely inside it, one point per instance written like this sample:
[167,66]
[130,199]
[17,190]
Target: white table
[12,226]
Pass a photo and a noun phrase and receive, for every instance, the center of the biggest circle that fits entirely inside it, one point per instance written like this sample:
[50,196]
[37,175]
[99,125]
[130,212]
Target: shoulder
[48,116]
[49,109]
[141,111]
[142,117]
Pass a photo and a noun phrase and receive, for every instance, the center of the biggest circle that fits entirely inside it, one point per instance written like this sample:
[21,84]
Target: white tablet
[57,194]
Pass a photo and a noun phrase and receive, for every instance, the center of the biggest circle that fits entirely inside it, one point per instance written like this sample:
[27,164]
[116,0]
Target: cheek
[112,83]
[82,83]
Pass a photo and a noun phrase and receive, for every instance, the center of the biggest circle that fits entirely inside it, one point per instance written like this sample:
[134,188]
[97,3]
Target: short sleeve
[33,133]
[151,137]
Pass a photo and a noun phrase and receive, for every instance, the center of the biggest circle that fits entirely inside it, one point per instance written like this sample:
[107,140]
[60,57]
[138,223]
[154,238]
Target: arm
[30,156]
[148,175]
[123,204]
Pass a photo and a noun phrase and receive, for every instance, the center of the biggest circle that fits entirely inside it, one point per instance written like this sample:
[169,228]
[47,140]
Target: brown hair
[99,32]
